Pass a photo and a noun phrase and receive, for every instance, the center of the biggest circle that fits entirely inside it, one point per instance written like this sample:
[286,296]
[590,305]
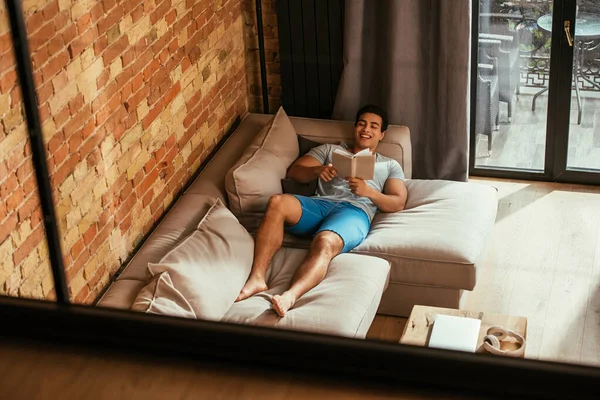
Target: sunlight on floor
[543,263]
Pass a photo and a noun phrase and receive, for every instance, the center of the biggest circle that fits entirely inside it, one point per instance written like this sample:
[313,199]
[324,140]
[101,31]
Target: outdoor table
[587,34]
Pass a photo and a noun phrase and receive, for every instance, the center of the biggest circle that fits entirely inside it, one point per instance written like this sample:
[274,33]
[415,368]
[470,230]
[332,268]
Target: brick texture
[269,14]
[133,95]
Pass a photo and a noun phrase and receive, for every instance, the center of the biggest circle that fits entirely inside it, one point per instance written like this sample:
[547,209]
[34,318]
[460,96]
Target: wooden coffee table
[418,327]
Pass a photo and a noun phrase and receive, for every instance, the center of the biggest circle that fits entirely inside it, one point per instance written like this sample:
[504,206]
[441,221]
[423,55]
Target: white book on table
[455,333]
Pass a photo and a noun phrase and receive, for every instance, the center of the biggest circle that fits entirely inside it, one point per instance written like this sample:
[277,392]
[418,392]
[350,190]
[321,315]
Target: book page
[365,166]
[363,152]
[342,164]
[345,153]
[360,165]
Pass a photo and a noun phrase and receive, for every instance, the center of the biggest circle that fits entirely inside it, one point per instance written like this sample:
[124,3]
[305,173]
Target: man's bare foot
[252,287]
[283,303]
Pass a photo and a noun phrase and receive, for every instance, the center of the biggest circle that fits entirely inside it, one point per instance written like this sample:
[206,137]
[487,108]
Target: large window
[538,90]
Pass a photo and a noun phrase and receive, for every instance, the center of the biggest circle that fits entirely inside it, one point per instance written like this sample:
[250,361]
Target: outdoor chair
[487,109]
[509,67]
[589,49]
[497,27]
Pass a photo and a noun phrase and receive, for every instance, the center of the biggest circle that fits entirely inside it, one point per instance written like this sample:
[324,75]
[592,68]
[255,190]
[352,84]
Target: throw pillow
[161,297]
[292,186]
[304,145]
[257,174]
[210,267]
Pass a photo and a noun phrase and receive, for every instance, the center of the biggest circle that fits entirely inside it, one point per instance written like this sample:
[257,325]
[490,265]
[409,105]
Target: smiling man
[338,217]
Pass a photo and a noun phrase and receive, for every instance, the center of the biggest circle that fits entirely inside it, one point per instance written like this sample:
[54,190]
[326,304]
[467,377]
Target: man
[338,217]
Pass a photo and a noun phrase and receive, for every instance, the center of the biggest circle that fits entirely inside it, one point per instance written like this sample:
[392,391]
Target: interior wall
[133,95]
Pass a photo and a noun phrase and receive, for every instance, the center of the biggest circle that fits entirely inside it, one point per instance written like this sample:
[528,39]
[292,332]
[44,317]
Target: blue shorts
[349,222]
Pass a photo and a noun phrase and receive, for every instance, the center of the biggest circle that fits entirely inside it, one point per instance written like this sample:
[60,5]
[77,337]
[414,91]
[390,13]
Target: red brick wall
[133,95]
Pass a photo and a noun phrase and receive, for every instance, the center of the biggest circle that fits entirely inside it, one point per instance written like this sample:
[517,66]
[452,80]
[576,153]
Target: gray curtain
[412,58]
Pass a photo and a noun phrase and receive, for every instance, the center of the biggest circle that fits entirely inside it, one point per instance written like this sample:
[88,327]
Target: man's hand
[327,172]
[360,187]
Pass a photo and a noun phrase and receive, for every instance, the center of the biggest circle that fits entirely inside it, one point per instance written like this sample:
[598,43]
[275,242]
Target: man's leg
[311,272]
[281,208]
[343,228]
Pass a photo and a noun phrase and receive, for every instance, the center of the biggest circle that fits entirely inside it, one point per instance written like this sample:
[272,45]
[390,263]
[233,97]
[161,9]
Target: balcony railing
[535,43]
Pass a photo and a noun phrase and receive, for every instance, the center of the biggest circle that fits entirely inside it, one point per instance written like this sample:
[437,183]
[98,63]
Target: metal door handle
[568,32]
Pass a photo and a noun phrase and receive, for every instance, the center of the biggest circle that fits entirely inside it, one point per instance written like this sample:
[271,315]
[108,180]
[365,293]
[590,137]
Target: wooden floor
[521,142]
[542,262]
[387,328]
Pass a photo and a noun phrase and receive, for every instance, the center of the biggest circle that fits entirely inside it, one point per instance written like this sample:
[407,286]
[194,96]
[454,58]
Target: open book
[360,165]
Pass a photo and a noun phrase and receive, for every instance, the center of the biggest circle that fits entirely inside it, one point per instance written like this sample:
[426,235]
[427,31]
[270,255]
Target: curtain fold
[412,58]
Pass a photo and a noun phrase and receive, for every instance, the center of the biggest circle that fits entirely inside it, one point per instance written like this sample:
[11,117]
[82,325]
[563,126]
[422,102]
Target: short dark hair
[373,109]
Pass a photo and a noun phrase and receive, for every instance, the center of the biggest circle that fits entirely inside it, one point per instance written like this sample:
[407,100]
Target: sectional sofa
[198,258]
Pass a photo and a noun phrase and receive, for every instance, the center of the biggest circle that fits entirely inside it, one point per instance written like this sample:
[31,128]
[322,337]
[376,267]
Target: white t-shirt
[338,189]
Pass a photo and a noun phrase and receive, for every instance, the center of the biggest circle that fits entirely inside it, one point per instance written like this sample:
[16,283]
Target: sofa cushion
[160,296]
[292,186]
[344,303]
[181,220]
[440,235]
[257,175]
[210,267]
[122,293]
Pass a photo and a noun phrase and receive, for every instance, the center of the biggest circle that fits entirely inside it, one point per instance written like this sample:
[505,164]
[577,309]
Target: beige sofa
[426,254]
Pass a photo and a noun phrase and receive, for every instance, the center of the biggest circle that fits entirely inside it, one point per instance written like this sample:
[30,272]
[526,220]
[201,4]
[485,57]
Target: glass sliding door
[583,152]
[537,103]
[513,77]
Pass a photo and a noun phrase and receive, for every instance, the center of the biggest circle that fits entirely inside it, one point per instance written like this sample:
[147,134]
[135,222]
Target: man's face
[367,132]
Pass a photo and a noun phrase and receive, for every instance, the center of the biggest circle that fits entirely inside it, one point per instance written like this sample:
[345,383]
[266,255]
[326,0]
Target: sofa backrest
[395,143]
[211,181]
